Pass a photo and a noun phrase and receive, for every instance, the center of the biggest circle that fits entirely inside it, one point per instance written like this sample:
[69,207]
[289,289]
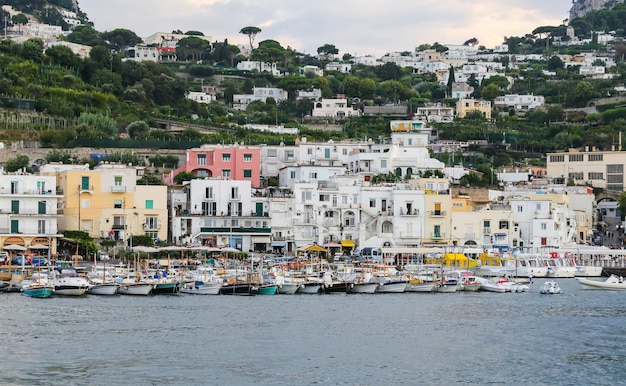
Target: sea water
[578,337]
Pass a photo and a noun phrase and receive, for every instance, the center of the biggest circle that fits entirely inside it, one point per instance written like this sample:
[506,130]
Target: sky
[363,27]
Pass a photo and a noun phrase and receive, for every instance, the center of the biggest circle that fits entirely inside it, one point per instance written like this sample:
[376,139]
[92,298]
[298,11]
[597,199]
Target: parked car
[20,260]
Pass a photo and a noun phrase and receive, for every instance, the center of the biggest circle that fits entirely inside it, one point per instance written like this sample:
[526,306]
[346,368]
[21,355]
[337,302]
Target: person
[621,279]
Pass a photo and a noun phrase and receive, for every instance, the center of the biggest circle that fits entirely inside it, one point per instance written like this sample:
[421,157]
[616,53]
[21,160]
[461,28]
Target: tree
[63,56]
[32,49]
[451,80]
[138,130]
[490,92]
[20,161]
[471,42]
[149,179]
[85,34]
[328,51]
[555,63]
[120,39]
[192,48]
[183,176]
[101,124]
[251,33]
[19,20]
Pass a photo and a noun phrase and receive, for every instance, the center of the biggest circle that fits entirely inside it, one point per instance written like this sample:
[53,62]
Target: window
[557,158]
[292,175]
[271,153]
[84,183]
[41,227]
[226,173]
[15,206]
[504,225]
[383,163]
[595,176]
[226,157]
[14,187]
[117,180]
[309,150]
[437,231]
[595,157]
[15,226]
[208,192]
[575,158]
[543,226]
[41,209]
[149,204]
[520,209]
[152,223]
[201,159]
[372,203]
[85,204]
[313,175]
[247,173]
[117,204]
[247,158]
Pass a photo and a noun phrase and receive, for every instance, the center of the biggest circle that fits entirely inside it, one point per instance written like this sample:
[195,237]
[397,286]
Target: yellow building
[106,202]
[466,106]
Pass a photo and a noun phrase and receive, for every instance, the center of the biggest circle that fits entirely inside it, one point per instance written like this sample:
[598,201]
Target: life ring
[554,255]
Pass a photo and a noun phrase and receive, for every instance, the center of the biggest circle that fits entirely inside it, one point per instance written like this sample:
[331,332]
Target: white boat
[613,282]
[103,288]
[470,283]
[550,287]
[396,286]
[418,285]
[445,288]
[67,282]
[588,271]
[309,288]
[288,288]
[130,287]
[493,285]
[201,288]
[363,288]
[558,269]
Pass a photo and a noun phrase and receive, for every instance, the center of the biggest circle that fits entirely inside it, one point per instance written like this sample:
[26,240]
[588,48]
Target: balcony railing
[118,188]
[437,213]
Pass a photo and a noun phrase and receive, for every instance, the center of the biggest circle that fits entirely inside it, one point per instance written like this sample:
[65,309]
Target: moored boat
[613,282]
[199,287]
[264,289]
[550,287]
[363,288]
[35,290]
[103,288]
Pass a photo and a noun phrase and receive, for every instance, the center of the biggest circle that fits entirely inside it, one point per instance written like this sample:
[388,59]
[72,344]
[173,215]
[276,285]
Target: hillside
[582,7]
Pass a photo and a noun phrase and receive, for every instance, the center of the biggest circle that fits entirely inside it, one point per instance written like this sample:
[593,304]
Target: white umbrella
[142,248]
[173,248]
[38,246]
[14,247]
[230,249]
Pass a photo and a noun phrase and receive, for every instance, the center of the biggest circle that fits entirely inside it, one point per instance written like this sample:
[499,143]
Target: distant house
[207,95]
[435,113]
[334,108]
[80,50]
[519,103]
[164,39]
[466,106]
[341,67]
[241,101]
[249,65]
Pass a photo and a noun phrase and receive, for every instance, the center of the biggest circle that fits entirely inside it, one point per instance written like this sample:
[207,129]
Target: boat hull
[363,288]
[139,289]
[612,283]
[264,290]
[288,288]
[70,290]
[420,286]
[38,291]
[392,287]
[103,289]
[336,287]
[201,288]
[236,289]
[170,288]
[309,289]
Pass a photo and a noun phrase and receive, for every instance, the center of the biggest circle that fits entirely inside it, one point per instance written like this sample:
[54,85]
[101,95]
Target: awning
[278,244]
[347,243]
[412,251]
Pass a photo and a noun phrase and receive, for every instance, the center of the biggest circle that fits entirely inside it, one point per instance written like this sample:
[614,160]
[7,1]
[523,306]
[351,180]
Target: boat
[613,282]
[309,288]
[130,286]
[363,288]
[470,283]
[67,282]
[419,285]
[244,289]
[103,288]
[392,286]
[493,285]
[35,290]
[264,289]
[550,287]
[199,287]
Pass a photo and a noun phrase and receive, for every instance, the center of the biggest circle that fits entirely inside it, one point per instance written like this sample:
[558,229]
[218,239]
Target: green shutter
[149,204]
[84,183]
[259,209]
[15,206]
[15,226]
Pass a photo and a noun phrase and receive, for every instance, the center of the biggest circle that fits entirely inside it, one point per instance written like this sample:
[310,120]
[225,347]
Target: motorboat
[493,285]
[309,288]
[613,282]
[264,289]
[470,283]
[67,282]
[392,286]
[129,286]
[550,287]
[199,287]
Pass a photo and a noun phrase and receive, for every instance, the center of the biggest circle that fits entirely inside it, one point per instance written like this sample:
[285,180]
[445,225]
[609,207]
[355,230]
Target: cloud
[356,27]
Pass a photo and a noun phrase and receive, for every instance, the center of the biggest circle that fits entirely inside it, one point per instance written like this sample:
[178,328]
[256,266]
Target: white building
[519,103]
[249,65]
[334,108]
[241,101]
[220,213]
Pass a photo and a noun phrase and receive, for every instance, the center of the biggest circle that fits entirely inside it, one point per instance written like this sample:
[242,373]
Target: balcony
[235,197]
[406,212]
[437,213]
[85,189]
[486,231]
[436,235]
[118,227]
[118,188]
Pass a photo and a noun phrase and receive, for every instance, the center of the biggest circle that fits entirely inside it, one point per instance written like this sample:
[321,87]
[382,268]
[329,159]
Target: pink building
[217,161]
